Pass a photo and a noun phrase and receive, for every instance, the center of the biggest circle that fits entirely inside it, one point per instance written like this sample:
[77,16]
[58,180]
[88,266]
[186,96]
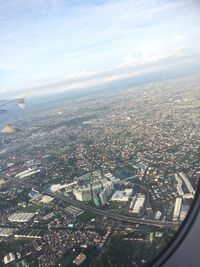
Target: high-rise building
[177,209]
[97,191]
[103,197]
[83,194]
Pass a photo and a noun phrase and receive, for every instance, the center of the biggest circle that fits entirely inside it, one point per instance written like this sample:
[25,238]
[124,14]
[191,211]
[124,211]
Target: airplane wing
[8,113]
[16,101]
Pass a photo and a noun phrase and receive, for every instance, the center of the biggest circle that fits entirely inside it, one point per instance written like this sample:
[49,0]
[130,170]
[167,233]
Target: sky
[49,46]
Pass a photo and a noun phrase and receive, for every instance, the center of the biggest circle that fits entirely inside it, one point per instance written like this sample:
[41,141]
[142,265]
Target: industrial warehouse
[21,217]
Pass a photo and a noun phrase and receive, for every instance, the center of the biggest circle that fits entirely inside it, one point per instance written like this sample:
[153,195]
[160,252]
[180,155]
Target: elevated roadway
[83,206]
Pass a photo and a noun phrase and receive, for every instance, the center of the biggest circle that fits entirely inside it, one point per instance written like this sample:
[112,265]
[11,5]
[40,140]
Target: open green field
[86,216]
[32,208]
[114,205]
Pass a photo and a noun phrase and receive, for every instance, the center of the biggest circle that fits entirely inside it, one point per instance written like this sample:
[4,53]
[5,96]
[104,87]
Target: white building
[79,259]
[158,215]
[46,199]
[6,232]
[177,209]
[184,211]
[137,204]
[83,194]
[107,187]
[27,173]
[9,258]
[179,185]
[188,196]
[103,197]
[101,188]
[187,182]
[122,196]
[57,187]
[180,178]
[21,217]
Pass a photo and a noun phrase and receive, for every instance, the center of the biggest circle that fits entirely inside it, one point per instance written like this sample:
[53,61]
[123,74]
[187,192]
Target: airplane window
[99,129]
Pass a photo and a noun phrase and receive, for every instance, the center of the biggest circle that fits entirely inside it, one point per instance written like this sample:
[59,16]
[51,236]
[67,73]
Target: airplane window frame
[180,234]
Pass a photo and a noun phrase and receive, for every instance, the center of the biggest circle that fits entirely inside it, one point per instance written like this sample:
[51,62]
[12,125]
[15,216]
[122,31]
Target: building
[30,234]
[97,187]
[97,190]
[83,194]
[112,178]
[184,211]
[73,210]
[180,178]
[9,258]
[33,194]
[96,199]
[23,172]
[158,215]
[1,182]
[79,259]
[122,196]
[179,185]
[103,197]
[49,216]
[177,209]
[57,187]
[45,199]
[107,186]
[29,162]
[27,173]
[6,232]
[137,204]
[187,182]
[21,217]
[188,196]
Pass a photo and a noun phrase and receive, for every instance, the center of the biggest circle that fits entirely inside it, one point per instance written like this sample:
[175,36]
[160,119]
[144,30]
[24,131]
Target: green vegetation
[86,216]
[22,196]
[27,261]
[114,205]
[5,247]
[121,251]
[32,208]
[66,259]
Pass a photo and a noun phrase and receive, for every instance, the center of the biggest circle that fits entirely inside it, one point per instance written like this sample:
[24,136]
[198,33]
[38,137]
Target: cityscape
[99,133]
[103,179]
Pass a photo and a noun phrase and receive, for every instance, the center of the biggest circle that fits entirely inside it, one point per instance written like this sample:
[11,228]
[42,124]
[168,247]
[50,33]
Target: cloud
[70,44]
[79,74]
[2,91]
[83,80]
[180,37]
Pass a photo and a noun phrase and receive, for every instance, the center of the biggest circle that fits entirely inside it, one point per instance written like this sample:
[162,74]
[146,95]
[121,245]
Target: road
[83,206]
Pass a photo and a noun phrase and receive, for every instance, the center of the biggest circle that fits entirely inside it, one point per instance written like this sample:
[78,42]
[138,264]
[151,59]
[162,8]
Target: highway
[119,217]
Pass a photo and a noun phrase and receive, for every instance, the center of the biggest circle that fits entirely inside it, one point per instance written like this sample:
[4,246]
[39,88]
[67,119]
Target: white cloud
[2,90]
[79,74]
[180,37]
[73,43]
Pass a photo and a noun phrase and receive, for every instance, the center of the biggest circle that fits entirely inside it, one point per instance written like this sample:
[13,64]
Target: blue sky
[80,43]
